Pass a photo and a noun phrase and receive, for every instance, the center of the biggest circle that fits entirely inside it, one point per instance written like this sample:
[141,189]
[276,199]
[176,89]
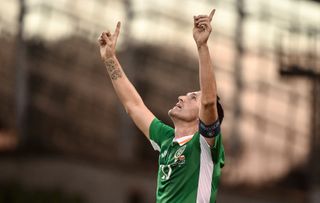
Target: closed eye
[193,96]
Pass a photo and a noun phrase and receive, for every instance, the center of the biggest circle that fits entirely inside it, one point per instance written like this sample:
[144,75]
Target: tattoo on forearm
[113,69]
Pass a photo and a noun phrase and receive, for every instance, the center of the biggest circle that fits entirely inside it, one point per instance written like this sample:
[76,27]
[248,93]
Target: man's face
[187,108]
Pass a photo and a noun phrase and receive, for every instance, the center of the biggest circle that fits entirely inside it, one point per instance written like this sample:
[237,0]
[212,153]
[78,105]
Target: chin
[173,113]
[170,113]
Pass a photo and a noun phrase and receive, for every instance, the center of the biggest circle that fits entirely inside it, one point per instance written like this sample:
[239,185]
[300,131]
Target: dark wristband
[209,131]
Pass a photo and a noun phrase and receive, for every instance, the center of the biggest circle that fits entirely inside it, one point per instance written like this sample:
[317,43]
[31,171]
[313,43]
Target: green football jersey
[189,171]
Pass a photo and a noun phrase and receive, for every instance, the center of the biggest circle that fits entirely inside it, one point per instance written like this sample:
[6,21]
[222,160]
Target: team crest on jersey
[179,152]
[179,158]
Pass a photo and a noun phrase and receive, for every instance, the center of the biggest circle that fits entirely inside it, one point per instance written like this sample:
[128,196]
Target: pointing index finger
[211,14]
[117,31]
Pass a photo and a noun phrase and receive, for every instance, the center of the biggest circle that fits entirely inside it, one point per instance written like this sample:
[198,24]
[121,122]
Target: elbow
[130,108]
[208,103]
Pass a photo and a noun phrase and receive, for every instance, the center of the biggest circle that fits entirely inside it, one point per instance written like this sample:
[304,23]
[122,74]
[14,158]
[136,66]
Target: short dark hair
[220,110]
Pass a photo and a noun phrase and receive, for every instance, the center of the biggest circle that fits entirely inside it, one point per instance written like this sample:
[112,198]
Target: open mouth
[178,106]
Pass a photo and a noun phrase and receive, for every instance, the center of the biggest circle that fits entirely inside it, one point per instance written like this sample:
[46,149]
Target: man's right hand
[108,42]
[126,92]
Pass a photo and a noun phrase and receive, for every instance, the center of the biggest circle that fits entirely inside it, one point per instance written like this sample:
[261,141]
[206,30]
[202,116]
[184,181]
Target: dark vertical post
[21,77]
[315,144]
[127,131]
[238,77]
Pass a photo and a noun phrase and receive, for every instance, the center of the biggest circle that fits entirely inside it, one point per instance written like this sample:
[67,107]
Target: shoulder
[157,126]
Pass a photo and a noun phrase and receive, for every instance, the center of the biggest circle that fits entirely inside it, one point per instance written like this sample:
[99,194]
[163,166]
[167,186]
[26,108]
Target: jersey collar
[183,140]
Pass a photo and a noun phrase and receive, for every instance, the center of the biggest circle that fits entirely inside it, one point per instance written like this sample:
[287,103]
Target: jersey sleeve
[218,151]
[159,133]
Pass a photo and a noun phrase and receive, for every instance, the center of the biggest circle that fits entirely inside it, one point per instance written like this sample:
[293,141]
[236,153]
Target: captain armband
[209,131]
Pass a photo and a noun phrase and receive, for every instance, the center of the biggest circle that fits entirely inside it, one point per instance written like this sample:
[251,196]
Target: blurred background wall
[64,136]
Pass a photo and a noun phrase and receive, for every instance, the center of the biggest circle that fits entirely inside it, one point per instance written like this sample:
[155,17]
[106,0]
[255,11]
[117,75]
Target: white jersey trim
[206,172]
[155,146]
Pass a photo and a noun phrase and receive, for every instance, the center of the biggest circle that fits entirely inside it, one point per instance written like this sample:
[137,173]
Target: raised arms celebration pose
[191,154]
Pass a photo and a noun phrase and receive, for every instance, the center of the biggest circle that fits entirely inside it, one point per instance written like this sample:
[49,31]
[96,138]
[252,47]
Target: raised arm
[124,89]
[208,108]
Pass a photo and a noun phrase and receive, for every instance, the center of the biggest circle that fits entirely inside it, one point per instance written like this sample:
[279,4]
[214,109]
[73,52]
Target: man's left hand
[202,28]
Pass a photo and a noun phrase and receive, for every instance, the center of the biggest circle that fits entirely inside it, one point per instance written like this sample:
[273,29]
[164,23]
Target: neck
[183,128]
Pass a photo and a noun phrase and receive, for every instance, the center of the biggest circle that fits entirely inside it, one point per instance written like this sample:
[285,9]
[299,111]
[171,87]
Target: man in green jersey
[191,154]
